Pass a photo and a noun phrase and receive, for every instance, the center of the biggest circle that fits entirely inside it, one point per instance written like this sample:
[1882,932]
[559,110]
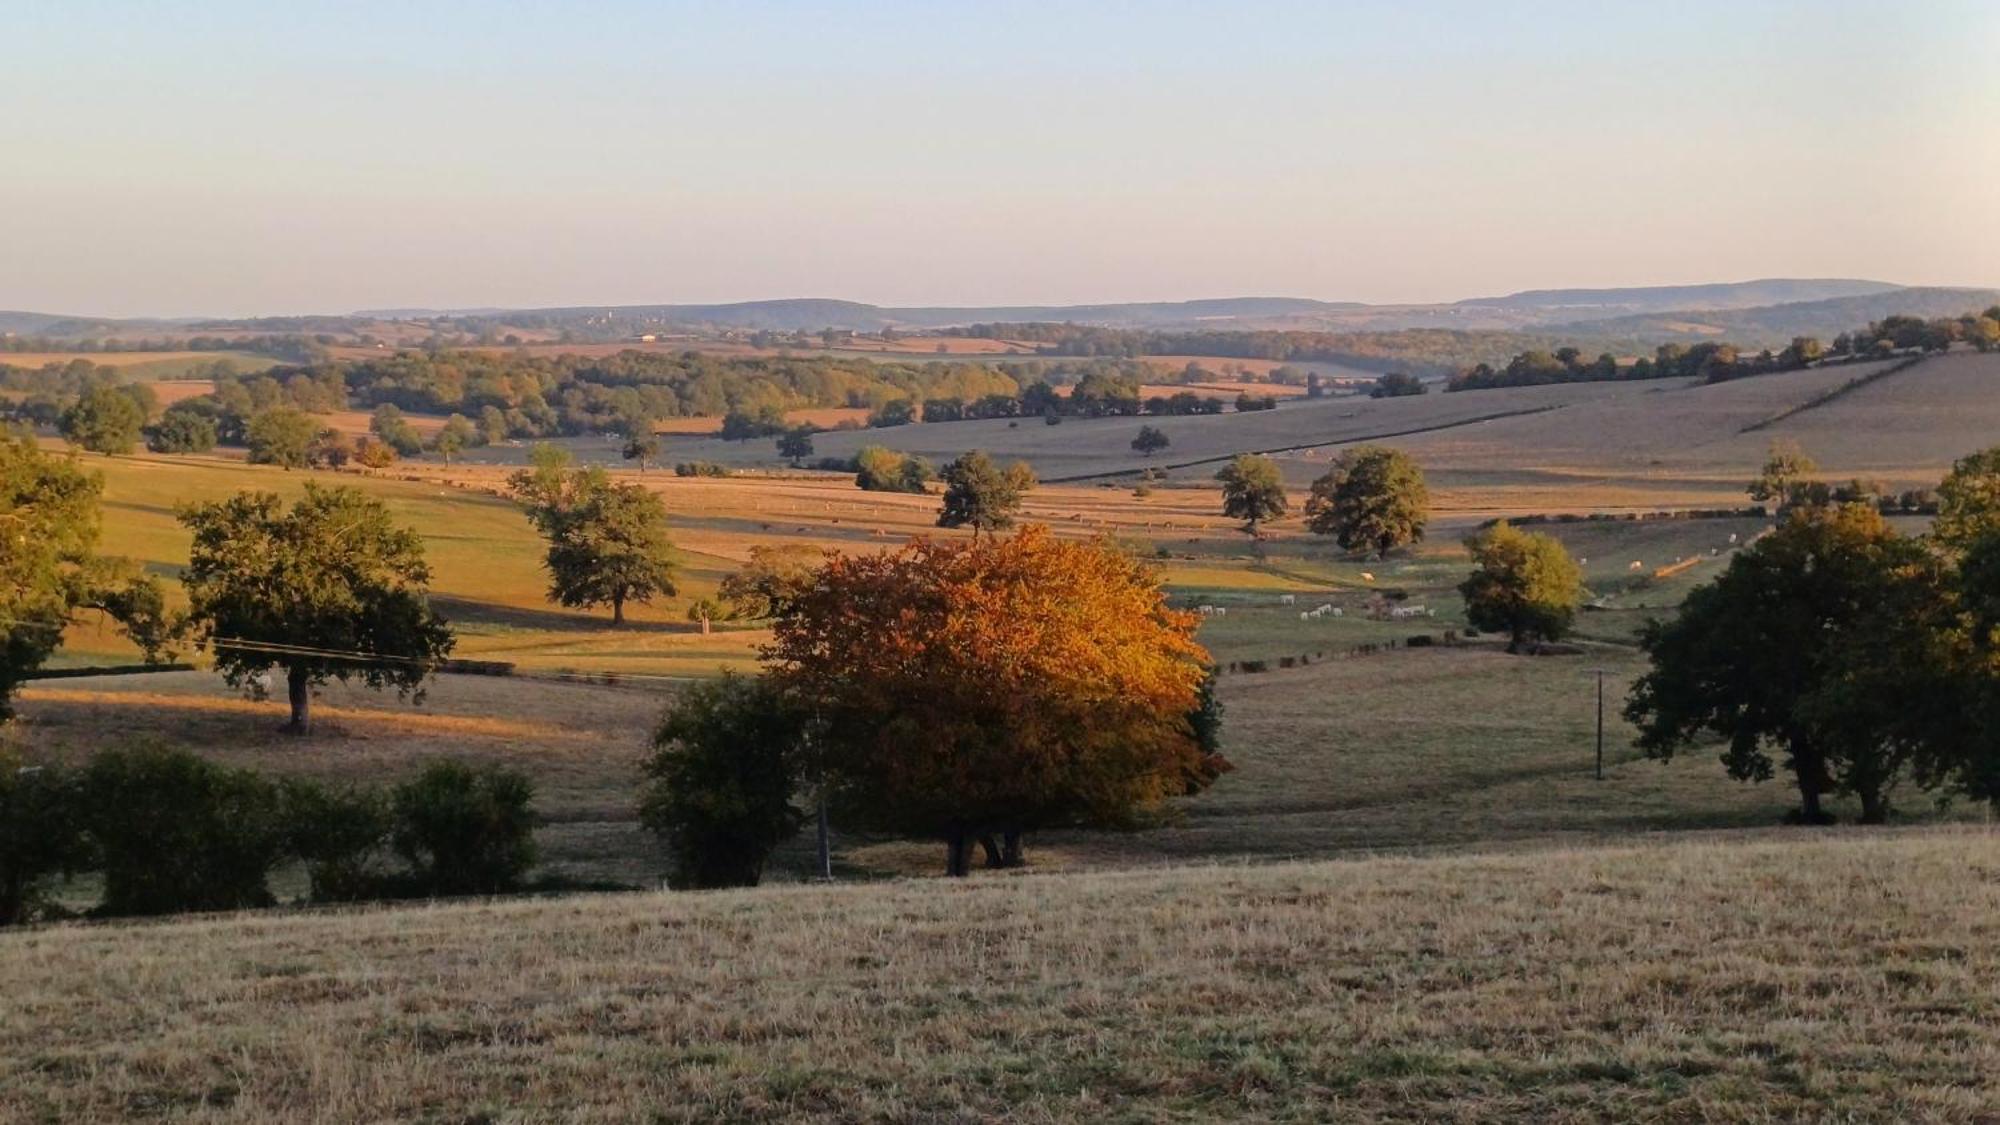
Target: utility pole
[1600,722]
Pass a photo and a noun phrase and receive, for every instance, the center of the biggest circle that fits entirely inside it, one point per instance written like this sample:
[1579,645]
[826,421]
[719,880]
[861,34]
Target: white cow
[1636,565]
[1286,599]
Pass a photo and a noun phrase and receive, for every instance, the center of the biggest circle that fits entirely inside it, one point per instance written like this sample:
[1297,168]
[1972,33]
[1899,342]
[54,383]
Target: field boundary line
[1828,396]
[1308,445]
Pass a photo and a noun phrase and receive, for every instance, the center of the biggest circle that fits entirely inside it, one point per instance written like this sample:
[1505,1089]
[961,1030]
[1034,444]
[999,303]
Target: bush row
[170,831]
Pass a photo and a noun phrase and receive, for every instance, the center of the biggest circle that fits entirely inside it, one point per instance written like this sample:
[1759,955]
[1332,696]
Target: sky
[239,157]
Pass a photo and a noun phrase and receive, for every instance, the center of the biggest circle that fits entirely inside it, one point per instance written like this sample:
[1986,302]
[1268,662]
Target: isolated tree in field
[1819,643]
[328,589]
[726,760]
[607,542]
[795,445]
[1252,490]
[1150,440]
[1803,351]
[1786,479]
[766,584]
[50,570]
[1372,499]
[1397,384]
[642,448]
[281,436]
[981,495]
[994,686]
[389,424]
[1523,584]
[885,470]
[104,420]
[456,436]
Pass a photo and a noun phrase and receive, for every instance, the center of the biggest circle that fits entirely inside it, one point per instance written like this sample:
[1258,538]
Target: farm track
[1078,477]
[1833,395]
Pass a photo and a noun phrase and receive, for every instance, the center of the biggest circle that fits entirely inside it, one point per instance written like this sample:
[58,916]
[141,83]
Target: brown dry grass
[1824,977]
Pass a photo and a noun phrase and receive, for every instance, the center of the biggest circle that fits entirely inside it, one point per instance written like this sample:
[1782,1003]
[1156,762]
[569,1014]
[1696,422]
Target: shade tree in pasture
[796,444]
[1371,500]
[994,687]
[982,495]
[1820,648]
[185,427]
[1786,480]
[329,588]
[51,572]
[1252,490]
[1150,440]
[453,438]
[105,419]
[641,449]
[1523,584]
[884,470]
[607,542]
[282,436]
[390,425]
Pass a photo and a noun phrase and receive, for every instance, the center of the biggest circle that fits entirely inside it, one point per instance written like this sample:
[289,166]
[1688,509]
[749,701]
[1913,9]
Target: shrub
[465,829]
[178,832]
[41,835]
[1420,640]
[720,781]
[701,469]
[341,835]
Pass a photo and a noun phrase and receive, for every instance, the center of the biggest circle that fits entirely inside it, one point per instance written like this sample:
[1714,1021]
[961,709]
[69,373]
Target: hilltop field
[1802,977]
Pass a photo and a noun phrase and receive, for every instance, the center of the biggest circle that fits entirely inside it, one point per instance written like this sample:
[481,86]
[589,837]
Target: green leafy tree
[183,429]
[1150,440]
[607,542]
[795,445]
[281,436]
[50,570]
[1252,490]
[1786,479]
[981,495]
[1814,644]
[1397,384]
[885,470]
[389,424]
[177,832]
[1372,499]
[726,761]
[456,436]
[770,579]
[642,448]
[1523,584]
[104,420]
[1968,500]
[328,589]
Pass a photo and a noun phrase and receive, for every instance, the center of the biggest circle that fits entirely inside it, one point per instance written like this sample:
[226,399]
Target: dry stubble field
[1831,977]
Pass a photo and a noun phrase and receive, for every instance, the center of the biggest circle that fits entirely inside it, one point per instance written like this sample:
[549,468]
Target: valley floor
[1831,975]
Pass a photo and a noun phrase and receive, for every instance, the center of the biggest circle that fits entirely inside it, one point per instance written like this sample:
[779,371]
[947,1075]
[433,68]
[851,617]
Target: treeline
[1718,362]
[1433,351]
[289,347]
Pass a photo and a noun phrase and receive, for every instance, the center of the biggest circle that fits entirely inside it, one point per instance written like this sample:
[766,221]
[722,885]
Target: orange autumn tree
[972,689]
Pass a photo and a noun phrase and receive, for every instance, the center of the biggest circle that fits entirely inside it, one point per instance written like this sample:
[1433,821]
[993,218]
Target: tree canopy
[607,542]
[1150,440]
[1523,584]
[104,420]
[1820,643]
[995,685]
[330,588]
[1372,499]
[50,570]
[884,470]
[1252,490]
[981,495]
[282,436]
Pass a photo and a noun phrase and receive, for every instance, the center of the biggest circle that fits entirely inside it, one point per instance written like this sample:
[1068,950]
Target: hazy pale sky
[233,157]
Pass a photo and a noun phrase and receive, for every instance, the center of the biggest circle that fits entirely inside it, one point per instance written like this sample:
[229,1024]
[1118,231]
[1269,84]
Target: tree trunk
[958,854]
[298,686]
[1011,855]
[992,850]
[618,608]
[1811,770]
[1874,804]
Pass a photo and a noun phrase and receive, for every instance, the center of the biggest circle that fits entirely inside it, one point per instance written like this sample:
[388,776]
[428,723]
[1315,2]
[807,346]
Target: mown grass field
[143,366]
[1851,977]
